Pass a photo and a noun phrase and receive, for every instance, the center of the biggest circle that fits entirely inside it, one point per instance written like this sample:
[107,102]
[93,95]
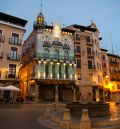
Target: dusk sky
[105,13]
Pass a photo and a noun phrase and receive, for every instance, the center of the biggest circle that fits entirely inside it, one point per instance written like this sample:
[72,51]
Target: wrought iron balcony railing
[15,41]
[13,57]
[2,38]
[66,46]
[1,55]
[57,43]
[53,57]
[46,44]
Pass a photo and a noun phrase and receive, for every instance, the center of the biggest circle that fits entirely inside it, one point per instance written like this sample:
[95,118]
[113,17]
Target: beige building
[114,70]
[11,37]
[90,36]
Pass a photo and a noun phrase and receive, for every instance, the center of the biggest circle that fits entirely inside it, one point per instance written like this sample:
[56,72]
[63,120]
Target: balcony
[57,43]
[2,38]
[46,44]
[41,75]
[53,57]
[1,55]
[66,46]
[15,41]
[13,57]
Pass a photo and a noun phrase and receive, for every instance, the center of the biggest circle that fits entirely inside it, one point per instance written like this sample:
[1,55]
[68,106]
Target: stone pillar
[58,70]
[51,70]
[70,71]
[97,95]
[36,93]
[44,69]
[85,122]
[39,62]
[85,86]
[75,71]
[64,71]
[56,94]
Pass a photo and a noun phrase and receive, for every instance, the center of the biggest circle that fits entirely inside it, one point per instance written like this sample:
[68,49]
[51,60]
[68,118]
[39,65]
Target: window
[46,53]
[89,64]
[13,53]
[12,70]
[56,54]
[66,72]
[89,50]
[47,70]
[78,63]
[0,33]
[87,38]
[53,70]
[66,55]
[77,49]
[103,56]
[77,37]
[47,38]
[14,39]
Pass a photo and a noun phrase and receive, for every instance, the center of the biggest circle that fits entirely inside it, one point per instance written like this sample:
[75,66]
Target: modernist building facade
[48,66]
[11,36]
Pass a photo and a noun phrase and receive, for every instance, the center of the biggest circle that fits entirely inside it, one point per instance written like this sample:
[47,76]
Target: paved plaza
[21,116]
[31,116]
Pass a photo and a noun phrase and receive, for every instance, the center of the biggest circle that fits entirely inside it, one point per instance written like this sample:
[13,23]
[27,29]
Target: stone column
[58,70]
[56,94]
[36,93]
[64,71]
[39,62]
[75,71]
[51,70]
[70,71]
[44,69]
[97,95]
[85,86]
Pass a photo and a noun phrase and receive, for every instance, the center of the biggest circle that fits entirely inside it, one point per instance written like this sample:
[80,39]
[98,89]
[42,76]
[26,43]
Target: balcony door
[13,53]
[12,70]
[47,70]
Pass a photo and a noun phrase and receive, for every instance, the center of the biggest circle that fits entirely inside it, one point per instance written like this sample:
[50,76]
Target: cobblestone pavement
[21,117]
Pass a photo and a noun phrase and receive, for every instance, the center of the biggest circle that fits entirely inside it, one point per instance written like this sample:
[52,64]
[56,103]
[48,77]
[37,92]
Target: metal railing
[53,57]
[13,57]
[15,41]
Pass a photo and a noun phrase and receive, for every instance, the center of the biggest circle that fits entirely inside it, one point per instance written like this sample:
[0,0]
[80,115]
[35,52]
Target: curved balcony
[57,43]
[66,46]
[46,44]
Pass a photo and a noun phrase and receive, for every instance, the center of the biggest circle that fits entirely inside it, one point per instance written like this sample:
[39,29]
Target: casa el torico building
[11,36]
[89,36]
[48,66]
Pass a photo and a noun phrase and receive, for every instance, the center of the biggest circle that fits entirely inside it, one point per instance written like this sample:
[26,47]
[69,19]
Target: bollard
[65,124]
[66,115]
[85,122]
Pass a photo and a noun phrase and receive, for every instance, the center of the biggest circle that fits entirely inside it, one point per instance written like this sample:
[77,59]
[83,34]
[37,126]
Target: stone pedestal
[85,122]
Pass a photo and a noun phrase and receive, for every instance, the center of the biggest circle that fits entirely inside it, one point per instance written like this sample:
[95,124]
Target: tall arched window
[66,55]
[56,54]
[46,53]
